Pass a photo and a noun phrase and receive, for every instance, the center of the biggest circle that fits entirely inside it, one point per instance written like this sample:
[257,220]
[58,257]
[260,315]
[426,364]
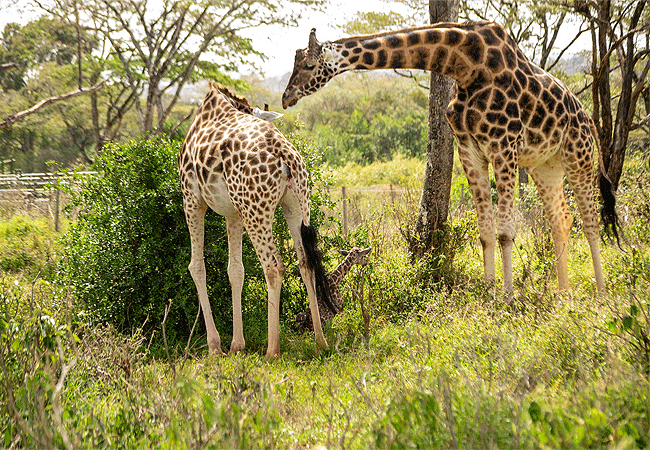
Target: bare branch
[7,66]
[8,121]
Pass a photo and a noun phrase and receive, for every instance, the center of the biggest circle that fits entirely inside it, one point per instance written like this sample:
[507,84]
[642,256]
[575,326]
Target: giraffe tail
[315,261]
[608,214]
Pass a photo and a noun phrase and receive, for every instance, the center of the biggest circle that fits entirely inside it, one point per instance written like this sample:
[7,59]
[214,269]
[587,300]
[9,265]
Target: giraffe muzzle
[289,99]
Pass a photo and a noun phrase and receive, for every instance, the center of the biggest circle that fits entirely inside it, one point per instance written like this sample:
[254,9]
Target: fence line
[32,188]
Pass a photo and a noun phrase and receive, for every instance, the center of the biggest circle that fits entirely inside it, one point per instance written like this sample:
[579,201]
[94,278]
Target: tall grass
[434,363]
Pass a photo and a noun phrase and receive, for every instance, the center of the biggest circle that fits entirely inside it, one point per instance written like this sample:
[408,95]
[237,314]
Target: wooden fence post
[57,200]
[345,213]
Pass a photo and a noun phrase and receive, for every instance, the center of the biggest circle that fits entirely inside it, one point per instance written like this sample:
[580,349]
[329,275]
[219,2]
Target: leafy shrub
[128,253]
[32,361]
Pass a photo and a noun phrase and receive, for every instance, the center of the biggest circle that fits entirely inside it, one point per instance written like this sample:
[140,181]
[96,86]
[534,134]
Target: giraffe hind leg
[194,215]
[581,182]
[548,178]
[236,277]
[301,237]
[267,253]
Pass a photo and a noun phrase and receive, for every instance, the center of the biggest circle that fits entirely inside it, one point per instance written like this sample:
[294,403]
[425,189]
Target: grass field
[440,362]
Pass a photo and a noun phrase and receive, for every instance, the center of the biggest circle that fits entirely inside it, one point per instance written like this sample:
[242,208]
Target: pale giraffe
[356,256]
[242,167]
[506,112]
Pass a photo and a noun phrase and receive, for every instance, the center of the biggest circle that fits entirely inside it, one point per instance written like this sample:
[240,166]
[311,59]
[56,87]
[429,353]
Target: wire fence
[376,206]
[34,192]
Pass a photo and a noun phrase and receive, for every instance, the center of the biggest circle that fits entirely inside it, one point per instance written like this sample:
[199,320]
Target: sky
[279,44]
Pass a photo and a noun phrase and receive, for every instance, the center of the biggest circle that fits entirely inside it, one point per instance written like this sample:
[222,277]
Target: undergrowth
[415,361]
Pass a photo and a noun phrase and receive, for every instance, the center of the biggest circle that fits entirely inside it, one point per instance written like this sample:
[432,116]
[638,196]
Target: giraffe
[242,167]
[506,112]
[356,256]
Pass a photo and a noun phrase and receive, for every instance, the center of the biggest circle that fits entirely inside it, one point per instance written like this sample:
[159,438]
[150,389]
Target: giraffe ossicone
[243,168]
[507,112]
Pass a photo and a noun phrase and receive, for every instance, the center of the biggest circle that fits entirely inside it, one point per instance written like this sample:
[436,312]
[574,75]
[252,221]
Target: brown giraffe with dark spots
[356,256]
[506,112]
[243,168]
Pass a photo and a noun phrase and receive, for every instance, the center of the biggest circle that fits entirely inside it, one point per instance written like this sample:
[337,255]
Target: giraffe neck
[445,48]
[341,271]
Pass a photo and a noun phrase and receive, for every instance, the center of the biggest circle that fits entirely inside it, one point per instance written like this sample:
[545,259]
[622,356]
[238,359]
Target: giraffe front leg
[236,276]
[506,231]
[194,214]
[476,170]
[505,175]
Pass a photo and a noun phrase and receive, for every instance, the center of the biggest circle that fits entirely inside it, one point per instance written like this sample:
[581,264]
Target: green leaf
[535,412]
[628,321]
[612,327]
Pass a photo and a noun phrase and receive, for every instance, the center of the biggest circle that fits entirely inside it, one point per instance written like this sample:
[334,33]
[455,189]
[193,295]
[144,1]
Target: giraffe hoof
[236,347]
[217,352]
[322,343]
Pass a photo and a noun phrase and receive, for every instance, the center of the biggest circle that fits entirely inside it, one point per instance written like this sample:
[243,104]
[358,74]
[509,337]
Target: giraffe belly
[535,153]
[217,198]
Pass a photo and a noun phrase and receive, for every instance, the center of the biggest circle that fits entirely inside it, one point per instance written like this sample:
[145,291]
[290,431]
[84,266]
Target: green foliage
[631,325]
[410,422]
[362,122]
[127,255]
[400,170]
[31,358]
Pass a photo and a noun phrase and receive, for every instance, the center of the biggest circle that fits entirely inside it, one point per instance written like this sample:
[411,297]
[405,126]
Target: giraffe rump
[315,261]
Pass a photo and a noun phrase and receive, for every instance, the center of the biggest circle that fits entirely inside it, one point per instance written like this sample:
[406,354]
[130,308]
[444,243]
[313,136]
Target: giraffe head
[313,67]
[358,255]
[241,103]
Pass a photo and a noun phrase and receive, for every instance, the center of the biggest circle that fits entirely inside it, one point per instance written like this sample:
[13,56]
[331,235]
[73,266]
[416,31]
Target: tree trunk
[434,203]
[614,130]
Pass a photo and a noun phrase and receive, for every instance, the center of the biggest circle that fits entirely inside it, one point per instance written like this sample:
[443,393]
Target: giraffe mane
[468,23]
[228,93]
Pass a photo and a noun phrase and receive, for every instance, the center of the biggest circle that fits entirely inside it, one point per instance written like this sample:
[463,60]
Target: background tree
[620,65]
[42,56]
[434,202]
[161,47]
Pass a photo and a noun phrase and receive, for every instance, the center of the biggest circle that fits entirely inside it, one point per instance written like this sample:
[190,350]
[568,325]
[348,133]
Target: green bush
[128,253]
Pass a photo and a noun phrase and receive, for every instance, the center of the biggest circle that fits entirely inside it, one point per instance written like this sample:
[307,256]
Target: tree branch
[7,66]
[641,124]
[8,121]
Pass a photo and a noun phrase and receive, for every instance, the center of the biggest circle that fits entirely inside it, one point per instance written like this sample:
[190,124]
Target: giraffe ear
[344,252]
[365,251]
[269,116]
[314,47]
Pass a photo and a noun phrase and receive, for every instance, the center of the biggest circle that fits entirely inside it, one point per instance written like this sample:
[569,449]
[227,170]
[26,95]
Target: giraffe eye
[310,66]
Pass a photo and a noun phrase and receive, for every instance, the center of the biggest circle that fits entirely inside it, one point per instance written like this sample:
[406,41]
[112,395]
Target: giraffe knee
[196,268]
[506,239]
[275,273]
